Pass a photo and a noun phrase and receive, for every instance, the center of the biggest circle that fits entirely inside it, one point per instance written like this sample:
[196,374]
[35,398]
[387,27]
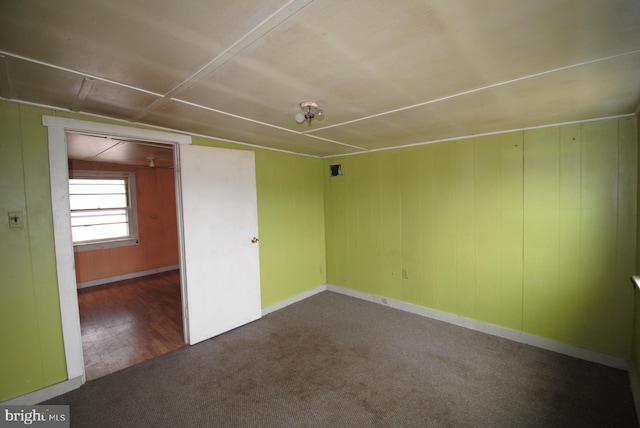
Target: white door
[220,220]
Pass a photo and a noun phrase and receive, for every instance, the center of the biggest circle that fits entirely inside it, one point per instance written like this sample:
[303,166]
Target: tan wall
[158,230]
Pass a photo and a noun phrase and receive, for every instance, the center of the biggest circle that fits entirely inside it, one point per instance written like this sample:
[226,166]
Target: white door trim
[59,175]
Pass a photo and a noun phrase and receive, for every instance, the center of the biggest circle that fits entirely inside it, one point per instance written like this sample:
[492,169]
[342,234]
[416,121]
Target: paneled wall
[532,230]
[636,330]
[157,227]
[32,351]
[291,226]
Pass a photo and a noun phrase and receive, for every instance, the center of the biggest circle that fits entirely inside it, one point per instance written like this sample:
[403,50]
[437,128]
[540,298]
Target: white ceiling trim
[225,113]
[466,137]
[259,31]
[390,76]
[125,132]
[79,73]
[163,99]
[476,90]
[241,143]
[154,105]
[89,79]
[262,123]
[334,142]
[162,128]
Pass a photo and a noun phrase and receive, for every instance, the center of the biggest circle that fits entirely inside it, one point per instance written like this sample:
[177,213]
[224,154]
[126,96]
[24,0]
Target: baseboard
[517,336]
[52,391]
[292,300]
[125,276]
[46,393]
[507,333]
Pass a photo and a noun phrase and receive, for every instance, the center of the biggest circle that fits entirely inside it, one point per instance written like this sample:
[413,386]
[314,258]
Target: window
[103,209]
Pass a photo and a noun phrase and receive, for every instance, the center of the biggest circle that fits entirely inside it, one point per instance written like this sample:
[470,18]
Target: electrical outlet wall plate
[15,220]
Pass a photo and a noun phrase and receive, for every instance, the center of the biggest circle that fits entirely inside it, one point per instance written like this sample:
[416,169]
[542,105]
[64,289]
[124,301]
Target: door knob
[254,240]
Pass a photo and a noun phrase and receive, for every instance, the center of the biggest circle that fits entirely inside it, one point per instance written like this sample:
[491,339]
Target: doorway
[126,251]
[219,257]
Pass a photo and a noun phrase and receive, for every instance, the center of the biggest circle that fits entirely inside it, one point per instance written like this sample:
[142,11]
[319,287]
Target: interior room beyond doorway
[127,322]
[129,291]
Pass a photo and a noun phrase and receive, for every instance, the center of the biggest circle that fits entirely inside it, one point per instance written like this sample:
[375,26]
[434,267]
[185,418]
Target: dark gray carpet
[335,361]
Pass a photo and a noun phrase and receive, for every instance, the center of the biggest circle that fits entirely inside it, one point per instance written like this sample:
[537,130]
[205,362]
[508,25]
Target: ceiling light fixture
[152,161]
[310,111]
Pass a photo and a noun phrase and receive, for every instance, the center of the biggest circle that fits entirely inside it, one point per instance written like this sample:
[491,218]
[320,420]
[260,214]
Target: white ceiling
[105,149]
[387,73]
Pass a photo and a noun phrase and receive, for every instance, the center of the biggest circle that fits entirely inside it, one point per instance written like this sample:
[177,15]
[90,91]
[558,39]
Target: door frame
[65,265]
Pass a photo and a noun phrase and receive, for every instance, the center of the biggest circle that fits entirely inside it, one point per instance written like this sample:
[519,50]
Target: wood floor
[127,322]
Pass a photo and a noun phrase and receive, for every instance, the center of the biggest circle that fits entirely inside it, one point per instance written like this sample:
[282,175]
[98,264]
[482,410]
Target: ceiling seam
[85,88]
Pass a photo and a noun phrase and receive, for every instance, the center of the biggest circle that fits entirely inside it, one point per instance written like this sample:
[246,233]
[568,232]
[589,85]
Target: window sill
[102,245]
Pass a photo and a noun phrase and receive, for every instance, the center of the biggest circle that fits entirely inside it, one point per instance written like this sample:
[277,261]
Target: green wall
[532,230]
[291,226]
[31,354]
[290,222]
[636,324]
